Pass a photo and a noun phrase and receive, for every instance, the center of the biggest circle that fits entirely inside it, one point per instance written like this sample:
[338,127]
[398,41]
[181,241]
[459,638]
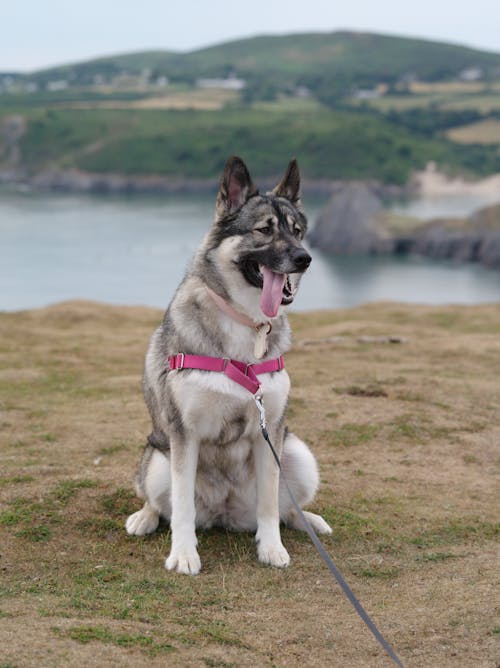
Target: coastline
[428,182]
[76,181]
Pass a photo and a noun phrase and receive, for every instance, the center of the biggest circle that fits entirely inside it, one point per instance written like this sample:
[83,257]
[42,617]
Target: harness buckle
[181,364]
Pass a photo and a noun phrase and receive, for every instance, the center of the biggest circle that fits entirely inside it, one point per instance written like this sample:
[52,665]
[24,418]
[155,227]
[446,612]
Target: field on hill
[207,100]
[406,435]
[483,132]
[485,103]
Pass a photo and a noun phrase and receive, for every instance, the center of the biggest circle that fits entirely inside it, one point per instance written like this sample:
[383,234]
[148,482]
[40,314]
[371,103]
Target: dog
[206,462]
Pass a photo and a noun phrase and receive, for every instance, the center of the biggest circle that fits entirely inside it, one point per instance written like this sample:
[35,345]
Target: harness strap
[239,372]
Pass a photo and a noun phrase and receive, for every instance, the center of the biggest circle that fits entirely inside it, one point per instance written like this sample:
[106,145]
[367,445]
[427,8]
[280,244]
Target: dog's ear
[289,186]
[236,187]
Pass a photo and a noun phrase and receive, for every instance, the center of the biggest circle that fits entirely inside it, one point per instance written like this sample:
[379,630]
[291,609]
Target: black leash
[322,551]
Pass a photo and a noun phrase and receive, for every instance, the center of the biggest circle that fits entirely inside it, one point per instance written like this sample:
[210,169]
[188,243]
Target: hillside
[348,105]
[298,58]
[195,144]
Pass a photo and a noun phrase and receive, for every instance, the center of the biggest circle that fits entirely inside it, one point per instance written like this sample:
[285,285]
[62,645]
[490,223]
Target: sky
[39,33]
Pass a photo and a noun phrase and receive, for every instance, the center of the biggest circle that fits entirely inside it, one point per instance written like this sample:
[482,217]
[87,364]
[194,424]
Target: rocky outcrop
[474,239]
[78,181]
[350,223]
[354,222]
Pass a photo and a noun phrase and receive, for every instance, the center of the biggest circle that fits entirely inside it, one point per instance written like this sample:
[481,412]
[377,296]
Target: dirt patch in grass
[407,441]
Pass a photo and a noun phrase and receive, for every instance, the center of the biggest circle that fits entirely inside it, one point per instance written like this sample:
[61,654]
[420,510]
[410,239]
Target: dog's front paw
[184,560]
[273,554]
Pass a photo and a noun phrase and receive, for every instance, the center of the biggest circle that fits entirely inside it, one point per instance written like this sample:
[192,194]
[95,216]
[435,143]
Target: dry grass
[483,132]
[407,439]
[445,95]
[212,99]
[453,87]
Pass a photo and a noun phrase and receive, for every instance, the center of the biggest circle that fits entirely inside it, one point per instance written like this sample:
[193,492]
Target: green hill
[187,144]
[317,60]
[306,58]
[117,114]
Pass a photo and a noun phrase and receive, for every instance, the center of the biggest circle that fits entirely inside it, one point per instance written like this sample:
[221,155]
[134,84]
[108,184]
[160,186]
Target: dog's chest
[217,410]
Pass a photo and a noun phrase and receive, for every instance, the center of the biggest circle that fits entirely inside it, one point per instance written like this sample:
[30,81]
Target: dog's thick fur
[206,463]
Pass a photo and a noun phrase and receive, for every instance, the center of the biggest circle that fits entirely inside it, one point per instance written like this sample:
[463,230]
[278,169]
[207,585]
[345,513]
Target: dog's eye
[297,232]
[265,229]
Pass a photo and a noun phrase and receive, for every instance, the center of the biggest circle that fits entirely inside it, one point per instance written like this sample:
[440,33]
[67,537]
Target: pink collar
[243,374]
[226,308]
[262,329]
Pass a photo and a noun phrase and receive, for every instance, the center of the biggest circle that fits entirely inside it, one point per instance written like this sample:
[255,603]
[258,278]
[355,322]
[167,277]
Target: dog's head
[259,239]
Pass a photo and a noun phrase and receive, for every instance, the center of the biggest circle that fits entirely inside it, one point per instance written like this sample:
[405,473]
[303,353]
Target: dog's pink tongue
[272,292]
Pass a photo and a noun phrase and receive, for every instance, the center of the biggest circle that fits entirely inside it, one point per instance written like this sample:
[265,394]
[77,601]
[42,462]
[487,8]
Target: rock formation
[354,222]
[473,239]
[350,223]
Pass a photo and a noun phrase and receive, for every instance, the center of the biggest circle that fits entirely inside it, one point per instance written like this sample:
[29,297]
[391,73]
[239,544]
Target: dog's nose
[301,259]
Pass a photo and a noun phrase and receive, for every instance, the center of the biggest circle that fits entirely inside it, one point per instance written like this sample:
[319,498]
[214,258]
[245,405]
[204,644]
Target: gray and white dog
[206,463]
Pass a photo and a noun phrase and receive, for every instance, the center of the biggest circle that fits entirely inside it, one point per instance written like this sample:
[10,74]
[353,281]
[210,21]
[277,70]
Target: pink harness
[240,372]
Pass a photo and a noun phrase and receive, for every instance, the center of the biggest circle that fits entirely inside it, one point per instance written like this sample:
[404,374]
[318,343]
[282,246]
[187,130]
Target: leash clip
[262,411]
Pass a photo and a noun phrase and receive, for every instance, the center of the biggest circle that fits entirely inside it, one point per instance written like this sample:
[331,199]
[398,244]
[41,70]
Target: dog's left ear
[236,187]
[289,186]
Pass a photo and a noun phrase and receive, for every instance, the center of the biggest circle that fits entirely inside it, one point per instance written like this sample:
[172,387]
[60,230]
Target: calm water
[443,206]
[135,251]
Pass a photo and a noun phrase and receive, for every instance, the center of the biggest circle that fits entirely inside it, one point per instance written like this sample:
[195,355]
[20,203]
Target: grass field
[454,87]
[206,100]
[483,132]
[486,103]
[407,440]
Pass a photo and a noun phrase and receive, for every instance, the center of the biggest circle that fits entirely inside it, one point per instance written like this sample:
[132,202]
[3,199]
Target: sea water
[135,250]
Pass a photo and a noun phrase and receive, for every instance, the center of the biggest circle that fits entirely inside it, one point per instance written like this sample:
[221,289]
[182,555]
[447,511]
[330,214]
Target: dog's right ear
[236,187]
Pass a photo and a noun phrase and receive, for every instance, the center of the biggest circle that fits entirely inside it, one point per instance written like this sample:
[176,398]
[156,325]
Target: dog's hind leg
[316,521]
[153,485]
[301,471]
[142,522]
